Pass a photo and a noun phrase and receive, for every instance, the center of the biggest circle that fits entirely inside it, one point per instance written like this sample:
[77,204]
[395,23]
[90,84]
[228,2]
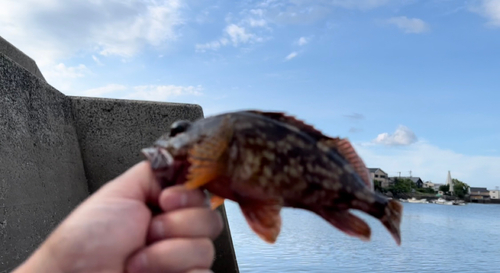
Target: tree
[377,185]
[444,188]
[426,190]
[460,188]
[402,186]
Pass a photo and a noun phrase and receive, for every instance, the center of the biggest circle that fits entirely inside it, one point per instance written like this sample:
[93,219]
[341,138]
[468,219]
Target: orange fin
[347,223]
[216,201]
[392,219]
[345,148]
[264,219]
[205,157]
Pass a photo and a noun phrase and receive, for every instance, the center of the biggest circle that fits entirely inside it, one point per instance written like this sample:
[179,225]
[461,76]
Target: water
[435,238]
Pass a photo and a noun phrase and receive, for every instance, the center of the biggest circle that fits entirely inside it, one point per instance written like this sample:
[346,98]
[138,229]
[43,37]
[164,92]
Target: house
[479,193]
[494,194]
[418,182]
[378,174]
[429,184]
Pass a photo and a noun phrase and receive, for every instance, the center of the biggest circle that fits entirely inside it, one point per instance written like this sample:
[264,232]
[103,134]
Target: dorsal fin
[301,125]
[345,148]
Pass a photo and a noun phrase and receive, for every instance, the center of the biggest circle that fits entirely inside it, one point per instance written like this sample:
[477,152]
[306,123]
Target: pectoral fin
[216,201]
[264,219]
[205,157]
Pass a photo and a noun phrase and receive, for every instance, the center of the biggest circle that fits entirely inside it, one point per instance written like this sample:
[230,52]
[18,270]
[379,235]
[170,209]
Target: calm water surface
[435,238]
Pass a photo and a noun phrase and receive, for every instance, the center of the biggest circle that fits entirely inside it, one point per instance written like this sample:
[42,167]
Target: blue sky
[413,84]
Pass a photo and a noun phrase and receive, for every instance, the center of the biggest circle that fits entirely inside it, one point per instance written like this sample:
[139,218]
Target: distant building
[436,186]
[449,181]
[416,180]
[494,194]
[479,193]
[429,184]
[378,174]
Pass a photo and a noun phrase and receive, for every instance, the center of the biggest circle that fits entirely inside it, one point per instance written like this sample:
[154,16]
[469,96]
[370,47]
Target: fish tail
[392,219]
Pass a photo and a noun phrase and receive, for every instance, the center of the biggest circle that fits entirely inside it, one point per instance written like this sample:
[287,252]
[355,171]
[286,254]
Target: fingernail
[138,264]
[158,229]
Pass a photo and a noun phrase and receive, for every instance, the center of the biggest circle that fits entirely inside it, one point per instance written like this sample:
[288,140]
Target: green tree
[426,190]
[460,188]
[402,186]
[378,185]
[444,188]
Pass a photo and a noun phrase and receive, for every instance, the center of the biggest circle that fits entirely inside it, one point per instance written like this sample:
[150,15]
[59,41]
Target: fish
[265,161]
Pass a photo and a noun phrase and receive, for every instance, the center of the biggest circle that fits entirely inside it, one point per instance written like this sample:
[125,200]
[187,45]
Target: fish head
[170,153]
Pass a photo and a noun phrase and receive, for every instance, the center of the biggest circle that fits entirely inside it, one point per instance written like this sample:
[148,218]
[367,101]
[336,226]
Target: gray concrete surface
[41,171]
[20,58]
[55,150]
[112,132]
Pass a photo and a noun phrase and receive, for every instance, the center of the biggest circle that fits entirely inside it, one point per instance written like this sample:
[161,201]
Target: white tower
[450,182]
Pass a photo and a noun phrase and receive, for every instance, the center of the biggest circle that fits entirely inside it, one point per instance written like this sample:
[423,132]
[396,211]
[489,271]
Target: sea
[435,238]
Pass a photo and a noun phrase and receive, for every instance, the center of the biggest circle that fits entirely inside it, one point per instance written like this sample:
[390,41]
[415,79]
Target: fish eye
[179,126]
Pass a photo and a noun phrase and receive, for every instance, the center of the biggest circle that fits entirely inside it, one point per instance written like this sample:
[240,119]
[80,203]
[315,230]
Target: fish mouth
[168,170]
[158,157]
[162,164]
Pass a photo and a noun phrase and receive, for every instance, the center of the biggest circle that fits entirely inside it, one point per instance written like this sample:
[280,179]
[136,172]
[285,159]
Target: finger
[137,183]
[177,197]
[191,222]
[174,255]
[200,271]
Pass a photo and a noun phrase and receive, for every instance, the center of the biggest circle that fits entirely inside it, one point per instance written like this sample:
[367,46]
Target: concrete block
[112,132]
[41,172]
[20,58]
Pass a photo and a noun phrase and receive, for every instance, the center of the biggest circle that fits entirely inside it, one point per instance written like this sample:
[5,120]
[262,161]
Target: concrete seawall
[56,150]
[112,132]
[41,171]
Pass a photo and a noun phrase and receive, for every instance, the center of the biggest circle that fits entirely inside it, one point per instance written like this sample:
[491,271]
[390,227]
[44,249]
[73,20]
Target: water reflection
[435,238]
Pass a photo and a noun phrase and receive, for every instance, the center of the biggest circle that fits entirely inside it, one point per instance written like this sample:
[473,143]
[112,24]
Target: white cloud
[257,22]
[302,41]
[101,91]
[489,9]
[409,25]
[63,77]
[163,92]
[62,71]
[96,60]
[234,35]
[360,4]
[145,92]
[214,45]
[63,28]
[238,34]
[401,137]
[432,163]
[291,56]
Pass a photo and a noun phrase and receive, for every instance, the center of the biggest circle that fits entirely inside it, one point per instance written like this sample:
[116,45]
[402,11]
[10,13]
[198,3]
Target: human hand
[114,230]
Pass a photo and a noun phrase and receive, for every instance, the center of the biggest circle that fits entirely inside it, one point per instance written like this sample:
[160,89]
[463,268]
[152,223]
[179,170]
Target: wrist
[39,261]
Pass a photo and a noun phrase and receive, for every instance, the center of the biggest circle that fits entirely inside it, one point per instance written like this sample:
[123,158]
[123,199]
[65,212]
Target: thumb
[137,183]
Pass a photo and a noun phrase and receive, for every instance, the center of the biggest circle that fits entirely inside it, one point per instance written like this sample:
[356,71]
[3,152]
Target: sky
[414,85]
